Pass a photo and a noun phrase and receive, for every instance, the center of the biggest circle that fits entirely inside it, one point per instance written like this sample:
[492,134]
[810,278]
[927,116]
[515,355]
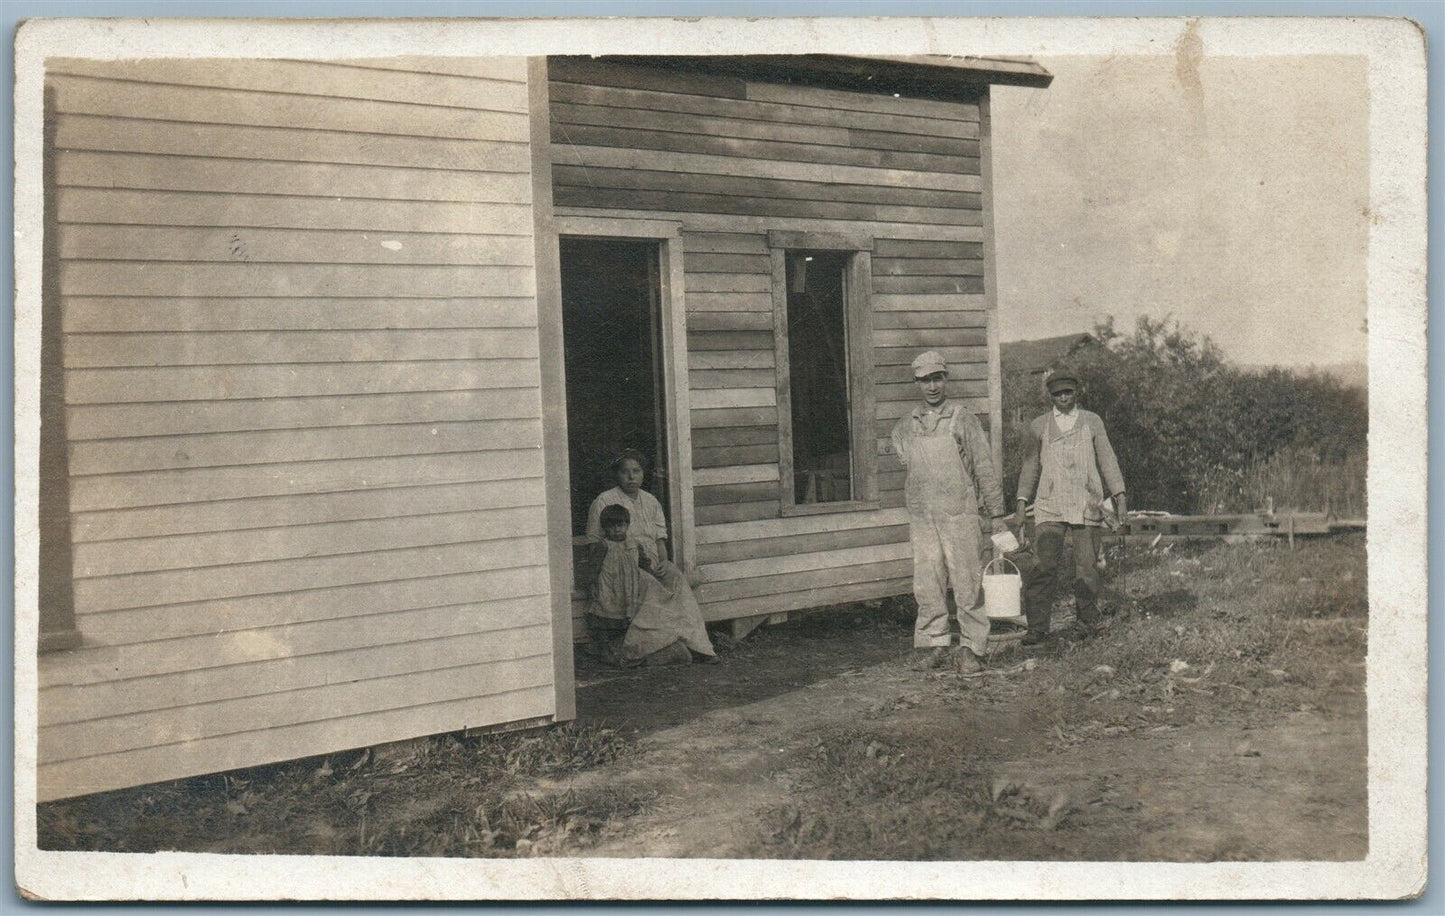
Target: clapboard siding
[730,160]
[301,365]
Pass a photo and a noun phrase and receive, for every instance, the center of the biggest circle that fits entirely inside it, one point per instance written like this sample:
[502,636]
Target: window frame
[858,321]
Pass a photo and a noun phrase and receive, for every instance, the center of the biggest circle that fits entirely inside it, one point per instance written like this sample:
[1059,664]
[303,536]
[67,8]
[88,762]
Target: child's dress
[661,608]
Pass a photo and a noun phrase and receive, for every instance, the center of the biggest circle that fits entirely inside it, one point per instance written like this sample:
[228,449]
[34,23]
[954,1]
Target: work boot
[967,664]
[933,658]
[1035,638]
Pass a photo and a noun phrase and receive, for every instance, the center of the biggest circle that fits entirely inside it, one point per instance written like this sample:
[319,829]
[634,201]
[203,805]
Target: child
[642,612]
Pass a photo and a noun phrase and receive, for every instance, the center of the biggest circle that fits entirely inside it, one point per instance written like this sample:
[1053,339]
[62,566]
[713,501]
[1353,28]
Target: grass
[1214,634]
[1295,480]
[441,796]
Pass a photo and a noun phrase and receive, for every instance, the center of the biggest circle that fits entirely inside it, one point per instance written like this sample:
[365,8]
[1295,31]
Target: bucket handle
[989,565]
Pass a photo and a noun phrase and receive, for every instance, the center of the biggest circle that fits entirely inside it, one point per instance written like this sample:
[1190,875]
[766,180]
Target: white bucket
[1002,592]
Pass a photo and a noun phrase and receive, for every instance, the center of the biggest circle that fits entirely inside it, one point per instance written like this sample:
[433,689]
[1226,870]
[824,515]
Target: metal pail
[1002,592]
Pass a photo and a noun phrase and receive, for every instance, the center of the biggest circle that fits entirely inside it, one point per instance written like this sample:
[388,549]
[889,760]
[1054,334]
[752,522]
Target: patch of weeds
[565,748]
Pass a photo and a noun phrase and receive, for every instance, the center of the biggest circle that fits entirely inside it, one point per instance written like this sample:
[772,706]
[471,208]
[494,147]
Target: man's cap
[1061,378]
[929,362]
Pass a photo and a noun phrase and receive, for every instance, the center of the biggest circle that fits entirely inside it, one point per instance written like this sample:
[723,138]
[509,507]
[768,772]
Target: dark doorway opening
[612,337]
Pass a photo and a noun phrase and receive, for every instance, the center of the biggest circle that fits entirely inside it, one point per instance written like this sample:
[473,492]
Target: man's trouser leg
[1086,574]
[1039,593]
[960,536]
[930,578]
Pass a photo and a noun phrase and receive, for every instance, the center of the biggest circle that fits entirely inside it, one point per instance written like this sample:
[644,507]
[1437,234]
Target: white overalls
[944,528]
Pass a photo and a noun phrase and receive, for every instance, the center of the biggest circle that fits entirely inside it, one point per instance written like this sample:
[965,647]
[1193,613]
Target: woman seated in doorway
[642,610]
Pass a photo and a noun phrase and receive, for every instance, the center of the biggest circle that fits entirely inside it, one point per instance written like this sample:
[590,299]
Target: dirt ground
[1220,716]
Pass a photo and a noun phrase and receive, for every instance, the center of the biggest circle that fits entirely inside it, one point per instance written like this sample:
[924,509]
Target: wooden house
[334,352]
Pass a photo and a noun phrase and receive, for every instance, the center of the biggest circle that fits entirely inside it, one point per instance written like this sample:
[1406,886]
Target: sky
[1231,193]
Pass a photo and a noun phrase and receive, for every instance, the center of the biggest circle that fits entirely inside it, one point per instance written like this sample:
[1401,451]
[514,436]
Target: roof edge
[932,77]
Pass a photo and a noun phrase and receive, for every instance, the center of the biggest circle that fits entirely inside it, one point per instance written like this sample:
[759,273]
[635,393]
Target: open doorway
[612,338]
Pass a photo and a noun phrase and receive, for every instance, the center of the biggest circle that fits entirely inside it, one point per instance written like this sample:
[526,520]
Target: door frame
[677,416]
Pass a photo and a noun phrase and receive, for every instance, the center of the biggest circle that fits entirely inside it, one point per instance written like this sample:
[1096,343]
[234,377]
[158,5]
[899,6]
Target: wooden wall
[732,160]
[301,377]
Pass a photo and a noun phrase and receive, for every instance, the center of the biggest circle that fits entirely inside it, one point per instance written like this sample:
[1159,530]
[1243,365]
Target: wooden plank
[925,248]
[82,95]
[723,243]
[730,321]
[226,141]
[721,437]
[146,625]
[158,488]
[794,526]
[377,644]
[734,416]
[729,340]
[592,93]
[889,411]
[166,243]
[826,241]
[728,494]
[736,474]
[697,164]
[104,97]
[861,157]
[711,398]
[957,388]
[799,544]
[118,313]
[267,512]
[782,368]
[861,390]
[732,222]
[110,456]
[928,284]
[928,267]
[565,115]
[736,512]
[784,583]
[729,302]
[266,745]
[680,202]
[892,479]
[80,169]
[727,283]
[318,78]
[255,545]
[190,585]
[731,378]
[350,697]
[492,68]
[718,263]
[731,359]
[821,597]
[232,211]
[882,103]
[733,454]
[925,320]
[916,143]
[903,356]
[903,374]
[587,176]
[606,73]
[995,368]
[137,278]
[249,348]
[945,302]
[205,383]
[940,338]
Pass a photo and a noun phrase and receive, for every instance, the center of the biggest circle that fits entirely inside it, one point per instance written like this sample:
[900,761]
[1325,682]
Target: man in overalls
[943,447]
[1068,470]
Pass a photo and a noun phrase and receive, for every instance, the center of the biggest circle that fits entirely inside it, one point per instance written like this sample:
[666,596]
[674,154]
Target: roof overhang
[930,77]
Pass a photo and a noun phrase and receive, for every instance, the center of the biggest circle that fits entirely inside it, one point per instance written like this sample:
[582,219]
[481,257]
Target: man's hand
[1019,517]
[999,524]
[1121,510]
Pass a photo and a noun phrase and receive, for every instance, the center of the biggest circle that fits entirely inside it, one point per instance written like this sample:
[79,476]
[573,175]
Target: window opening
[818,346]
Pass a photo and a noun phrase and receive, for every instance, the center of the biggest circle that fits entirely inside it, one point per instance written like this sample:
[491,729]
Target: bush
[1194,433]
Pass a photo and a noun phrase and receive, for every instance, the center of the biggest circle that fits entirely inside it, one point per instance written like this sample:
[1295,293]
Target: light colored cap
[927,363]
